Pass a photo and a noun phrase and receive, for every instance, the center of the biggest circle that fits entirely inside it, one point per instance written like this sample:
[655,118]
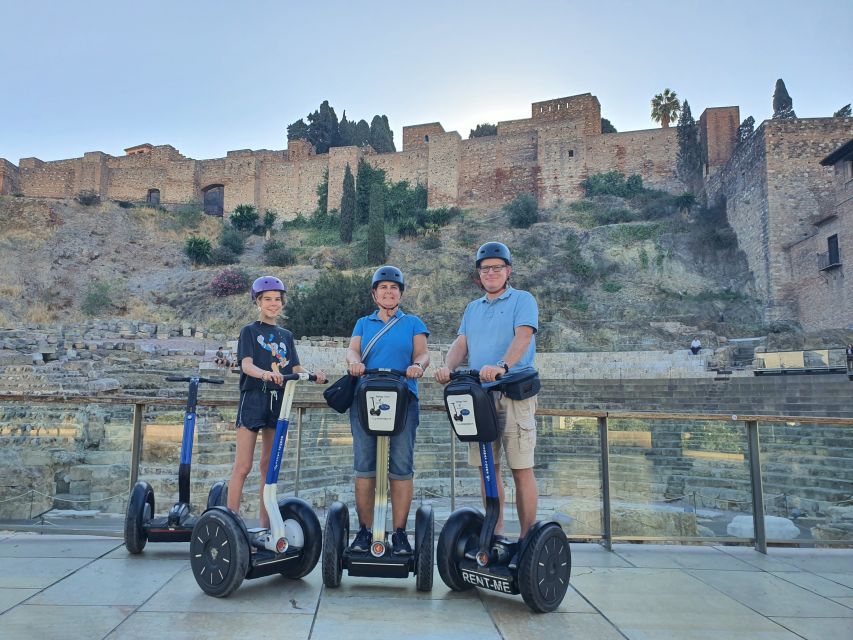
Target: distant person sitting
[220,359]
[849,358]
[695,346]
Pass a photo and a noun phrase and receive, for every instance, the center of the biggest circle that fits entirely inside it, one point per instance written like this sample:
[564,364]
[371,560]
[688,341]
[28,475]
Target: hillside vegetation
[639,271]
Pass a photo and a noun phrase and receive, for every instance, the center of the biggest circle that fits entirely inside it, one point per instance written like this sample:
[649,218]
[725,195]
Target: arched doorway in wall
[214,200]
[153,197]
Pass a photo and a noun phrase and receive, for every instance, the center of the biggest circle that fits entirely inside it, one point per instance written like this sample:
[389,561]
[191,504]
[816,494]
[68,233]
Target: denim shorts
[402,453]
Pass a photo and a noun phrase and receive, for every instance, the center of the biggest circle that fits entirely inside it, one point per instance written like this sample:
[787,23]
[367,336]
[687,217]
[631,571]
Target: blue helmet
[267,283]
[388,274]
[494,250]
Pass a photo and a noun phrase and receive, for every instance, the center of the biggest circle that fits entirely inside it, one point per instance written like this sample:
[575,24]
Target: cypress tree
[689,158]
[348,207]
[783,105]
[376,227]
[365,178]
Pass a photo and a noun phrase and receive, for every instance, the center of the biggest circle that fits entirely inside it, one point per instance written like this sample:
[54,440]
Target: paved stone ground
[89,587]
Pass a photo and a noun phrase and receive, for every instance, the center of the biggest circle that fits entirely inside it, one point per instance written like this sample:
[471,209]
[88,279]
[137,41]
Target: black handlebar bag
[471,410]
[521,385]
[382,400]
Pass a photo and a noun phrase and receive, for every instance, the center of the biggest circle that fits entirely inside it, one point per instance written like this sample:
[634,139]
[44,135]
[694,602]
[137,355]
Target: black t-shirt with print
[265,343]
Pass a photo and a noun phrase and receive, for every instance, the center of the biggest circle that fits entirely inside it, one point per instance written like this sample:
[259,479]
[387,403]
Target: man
[497,336]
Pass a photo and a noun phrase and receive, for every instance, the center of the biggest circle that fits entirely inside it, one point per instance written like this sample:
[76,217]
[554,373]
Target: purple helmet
[267,283]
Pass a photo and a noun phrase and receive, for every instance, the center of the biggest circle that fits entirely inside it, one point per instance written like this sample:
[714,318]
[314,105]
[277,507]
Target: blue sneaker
[400,543]
[362,540]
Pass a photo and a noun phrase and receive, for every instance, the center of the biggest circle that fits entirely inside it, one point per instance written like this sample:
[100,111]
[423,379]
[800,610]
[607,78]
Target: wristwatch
[501,363]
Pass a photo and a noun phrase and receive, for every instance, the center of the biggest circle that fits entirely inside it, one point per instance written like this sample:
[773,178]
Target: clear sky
[212,76]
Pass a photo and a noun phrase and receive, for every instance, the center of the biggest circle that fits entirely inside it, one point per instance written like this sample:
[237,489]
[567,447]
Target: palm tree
[665,107]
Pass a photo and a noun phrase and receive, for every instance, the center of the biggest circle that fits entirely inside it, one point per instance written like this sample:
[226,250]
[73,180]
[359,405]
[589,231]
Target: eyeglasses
[497,268]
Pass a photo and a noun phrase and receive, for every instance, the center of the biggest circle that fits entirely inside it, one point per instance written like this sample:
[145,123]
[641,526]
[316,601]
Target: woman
[403,347]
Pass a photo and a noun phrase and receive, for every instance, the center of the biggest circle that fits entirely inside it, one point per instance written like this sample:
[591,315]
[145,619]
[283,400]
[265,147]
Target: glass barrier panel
[568,473]
[807,472]
[679,479]
[54,465]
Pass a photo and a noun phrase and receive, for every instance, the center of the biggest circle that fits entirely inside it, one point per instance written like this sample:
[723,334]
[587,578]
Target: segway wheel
[219,553]
[460,534]
[218,495]
[424,555]
[544,568]
[335,540]
[140,510]
[300,518]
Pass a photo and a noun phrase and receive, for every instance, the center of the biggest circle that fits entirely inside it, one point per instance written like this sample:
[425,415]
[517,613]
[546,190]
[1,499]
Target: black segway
[381,400]
[224,552]
[469,554]
[140,525]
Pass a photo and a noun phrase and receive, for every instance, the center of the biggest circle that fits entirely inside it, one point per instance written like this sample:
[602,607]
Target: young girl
[266,353]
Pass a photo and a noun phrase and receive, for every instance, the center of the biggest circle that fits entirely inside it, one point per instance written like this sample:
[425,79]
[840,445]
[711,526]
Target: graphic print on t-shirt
[277,349]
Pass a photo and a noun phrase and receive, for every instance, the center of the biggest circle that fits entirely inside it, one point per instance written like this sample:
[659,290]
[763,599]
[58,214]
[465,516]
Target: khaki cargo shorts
[518,421]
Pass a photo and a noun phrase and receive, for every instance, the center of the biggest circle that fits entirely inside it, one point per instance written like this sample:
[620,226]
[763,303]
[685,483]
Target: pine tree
[381,136]
[607,126]
[376,227]
[483,130]
[348,207]
[689,158]
[346,132]
[745,130]
[362,133]
[843,112]
[323,128]
[783,105]
[298,130]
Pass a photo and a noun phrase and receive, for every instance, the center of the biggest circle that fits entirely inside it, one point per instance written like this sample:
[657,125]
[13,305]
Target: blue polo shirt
[489,328]
[394,350]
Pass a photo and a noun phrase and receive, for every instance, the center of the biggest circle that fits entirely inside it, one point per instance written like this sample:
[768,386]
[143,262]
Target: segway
[381,399]
[469,554]
[224,552]
[140,525]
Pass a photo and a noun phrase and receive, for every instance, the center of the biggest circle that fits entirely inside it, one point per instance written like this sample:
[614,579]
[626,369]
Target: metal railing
[746,426]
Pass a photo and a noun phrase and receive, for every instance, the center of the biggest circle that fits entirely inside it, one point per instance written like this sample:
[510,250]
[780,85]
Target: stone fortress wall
[548,155]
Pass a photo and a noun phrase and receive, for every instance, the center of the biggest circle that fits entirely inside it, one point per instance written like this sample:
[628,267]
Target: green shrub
[244,218]
[582,205]
[229,282]
[613,216]
[98,298]
[611,287]
[523,211]
[407,228]
[125,204]
[197,249]
[612,183]
[430,242]
[276,254]
[233,240]
[87,198]
[223,255]
[644,259]
[189,216]
[331,307]
[269,219]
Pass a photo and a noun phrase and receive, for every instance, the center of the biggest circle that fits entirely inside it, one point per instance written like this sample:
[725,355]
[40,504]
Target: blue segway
[469,554]
[381,399]
[140,525]
[224,552]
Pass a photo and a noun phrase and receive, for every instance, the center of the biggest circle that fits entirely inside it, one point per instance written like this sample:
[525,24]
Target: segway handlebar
[466,373]
[311,377]
[396,372]
[189,379]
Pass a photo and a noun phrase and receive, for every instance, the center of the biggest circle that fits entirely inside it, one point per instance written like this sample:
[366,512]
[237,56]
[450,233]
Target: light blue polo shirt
[394,349]
[489,328]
